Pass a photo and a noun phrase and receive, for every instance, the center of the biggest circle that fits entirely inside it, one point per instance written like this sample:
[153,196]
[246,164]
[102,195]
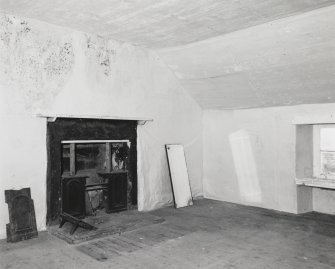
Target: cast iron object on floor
[22,221]
[116,190]
[76,223]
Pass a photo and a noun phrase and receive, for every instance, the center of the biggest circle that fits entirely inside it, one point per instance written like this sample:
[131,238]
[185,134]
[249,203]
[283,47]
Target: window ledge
[317,183]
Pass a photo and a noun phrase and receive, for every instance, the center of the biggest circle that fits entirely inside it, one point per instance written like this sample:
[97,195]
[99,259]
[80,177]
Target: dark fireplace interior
[91,167]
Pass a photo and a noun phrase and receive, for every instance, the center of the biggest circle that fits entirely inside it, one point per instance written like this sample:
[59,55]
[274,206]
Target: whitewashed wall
[47,69]
[249,156]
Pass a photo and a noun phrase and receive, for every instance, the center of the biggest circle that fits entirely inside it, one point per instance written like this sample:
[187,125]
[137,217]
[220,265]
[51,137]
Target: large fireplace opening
[94,176]
[91,167]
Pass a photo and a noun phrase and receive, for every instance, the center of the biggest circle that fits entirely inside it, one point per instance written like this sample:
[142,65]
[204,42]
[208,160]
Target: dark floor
[210,234]
[106,224]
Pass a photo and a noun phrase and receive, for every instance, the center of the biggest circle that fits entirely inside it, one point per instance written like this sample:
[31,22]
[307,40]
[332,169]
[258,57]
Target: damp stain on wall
[100,53]
[37,63]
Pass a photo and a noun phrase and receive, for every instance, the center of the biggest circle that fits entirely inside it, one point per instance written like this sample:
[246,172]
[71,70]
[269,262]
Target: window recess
[315,155]
[324,151]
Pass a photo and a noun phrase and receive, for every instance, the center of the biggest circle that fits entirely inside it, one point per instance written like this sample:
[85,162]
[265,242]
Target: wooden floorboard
[210,234]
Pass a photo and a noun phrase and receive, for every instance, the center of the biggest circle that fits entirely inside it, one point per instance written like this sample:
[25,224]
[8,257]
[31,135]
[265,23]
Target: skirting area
[210,234]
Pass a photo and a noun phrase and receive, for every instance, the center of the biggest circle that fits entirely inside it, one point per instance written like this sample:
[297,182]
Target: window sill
[317,183]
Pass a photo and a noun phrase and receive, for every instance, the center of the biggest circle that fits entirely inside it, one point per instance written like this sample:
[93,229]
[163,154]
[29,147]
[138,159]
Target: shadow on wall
[245,166]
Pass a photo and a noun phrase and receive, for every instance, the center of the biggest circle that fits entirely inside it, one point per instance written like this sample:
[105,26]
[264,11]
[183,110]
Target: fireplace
[91,167]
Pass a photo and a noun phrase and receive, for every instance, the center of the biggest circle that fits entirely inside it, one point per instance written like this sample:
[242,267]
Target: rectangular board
[179,176]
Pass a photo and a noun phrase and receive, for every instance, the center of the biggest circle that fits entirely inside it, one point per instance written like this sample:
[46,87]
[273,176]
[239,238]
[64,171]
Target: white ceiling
[159,23]
[226,53]
[285,62]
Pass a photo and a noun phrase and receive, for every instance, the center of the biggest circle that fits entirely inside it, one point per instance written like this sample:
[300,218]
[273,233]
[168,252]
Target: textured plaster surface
[285,62]
[226,54]
[266,155]
[31,63]
[51,70]
[159,23]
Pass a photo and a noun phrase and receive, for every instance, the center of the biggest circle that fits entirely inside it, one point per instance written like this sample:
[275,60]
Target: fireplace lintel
[53,117]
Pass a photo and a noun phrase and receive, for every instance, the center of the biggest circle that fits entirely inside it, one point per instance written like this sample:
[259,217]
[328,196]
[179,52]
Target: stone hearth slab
[107,224]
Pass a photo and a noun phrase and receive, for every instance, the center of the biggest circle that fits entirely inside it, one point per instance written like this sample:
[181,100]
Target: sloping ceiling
[285,62]
[227,54]
[159,23]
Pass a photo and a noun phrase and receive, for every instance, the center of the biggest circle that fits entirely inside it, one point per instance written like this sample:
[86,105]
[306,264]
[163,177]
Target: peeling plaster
[100,53]
[40,64]
[36,64]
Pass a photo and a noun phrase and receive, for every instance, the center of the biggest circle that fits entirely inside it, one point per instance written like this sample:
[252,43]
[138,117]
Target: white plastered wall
[258,145]
[47,69]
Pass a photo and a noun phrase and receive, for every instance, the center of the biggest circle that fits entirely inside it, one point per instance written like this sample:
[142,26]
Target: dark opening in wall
[90,156]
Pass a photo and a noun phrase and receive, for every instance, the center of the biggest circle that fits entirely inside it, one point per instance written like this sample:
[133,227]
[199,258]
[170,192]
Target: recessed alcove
[90,161]
[311,187]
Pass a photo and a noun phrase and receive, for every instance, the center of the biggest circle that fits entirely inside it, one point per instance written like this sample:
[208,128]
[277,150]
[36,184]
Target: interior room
[167,134]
